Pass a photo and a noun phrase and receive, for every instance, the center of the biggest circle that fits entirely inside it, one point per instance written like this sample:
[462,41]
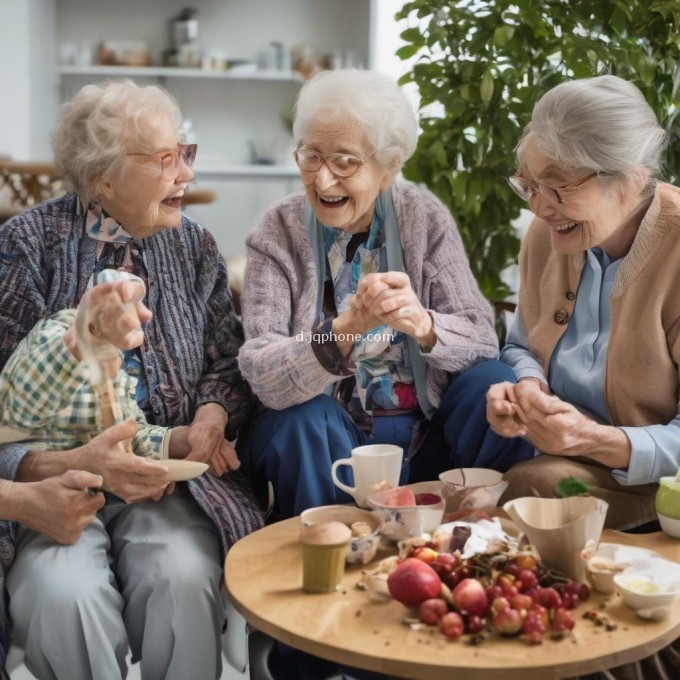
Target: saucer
[181,470]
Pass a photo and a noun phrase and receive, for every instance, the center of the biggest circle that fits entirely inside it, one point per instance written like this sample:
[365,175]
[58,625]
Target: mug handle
[351,490]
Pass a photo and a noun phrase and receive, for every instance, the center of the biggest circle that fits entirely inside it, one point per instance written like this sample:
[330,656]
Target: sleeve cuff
[642,457]
[11,456]
[529,372]
[327,352]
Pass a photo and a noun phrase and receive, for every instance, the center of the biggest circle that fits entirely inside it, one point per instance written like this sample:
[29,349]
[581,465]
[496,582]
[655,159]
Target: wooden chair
[27,184]
[198,197]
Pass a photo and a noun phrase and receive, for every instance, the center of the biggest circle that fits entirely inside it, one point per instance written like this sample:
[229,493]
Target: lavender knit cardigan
[189,355]
[279,299]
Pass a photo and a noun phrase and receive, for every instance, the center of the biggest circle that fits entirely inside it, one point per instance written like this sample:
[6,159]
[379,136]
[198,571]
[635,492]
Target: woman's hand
[556,427]
[129,477]
[502,410]
[206,440]
[58,507]
[114,315]
[390,297]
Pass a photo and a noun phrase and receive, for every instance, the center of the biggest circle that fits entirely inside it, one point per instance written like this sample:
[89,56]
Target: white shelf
[215,172]
[236,73]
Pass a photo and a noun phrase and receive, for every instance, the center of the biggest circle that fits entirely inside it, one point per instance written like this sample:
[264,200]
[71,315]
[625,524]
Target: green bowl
[668,497]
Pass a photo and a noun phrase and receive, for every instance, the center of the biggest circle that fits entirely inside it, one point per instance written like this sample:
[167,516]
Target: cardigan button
[571,295]
[561,316]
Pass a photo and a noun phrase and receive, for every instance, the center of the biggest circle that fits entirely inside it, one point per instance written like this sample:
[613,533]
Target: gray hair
[373,100]
[97,127]
[600,124]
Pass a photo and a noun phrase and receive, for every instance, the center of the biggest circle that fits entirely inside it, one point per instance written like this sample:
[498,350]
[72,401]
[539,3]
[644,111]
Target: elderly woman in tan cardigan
[595,343]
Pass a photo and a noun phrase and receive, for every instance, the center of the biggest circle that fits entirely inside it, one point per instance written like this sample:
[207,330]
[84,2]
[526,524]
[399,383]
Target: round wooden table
[263,575]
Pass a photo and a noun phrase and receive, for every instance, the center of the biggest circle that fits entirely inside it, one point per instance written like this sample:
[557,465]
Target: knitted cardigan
[280,299]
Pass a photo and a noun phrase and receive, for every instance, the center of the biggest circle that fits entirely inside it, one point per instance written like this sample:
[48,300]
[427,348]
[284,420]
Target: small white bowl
[609,560]
[648,588]
[406,521]
[670,526]
[468,489]
[361,549]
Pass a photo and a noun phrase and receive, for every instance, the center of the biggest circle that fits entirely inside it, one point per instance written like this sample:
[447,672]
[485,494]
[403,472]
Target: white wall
[26,46]
[227,113]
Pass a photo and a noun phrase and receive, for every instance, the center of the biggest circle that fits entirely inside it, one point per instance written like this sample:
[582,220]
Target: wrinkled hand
[390,297]
[114,316]
[115,313]
[502,410]
[59,507]
[207,442]
[552,425]
[130,477]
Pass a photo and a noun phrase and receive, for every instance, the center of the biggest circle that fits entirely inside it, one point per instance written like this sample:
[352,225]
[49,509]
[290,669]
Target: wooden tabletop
[264,579]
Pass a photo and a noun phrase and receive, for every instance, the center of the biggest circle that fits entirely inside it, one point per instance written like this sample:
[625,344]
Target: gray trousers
[147,575]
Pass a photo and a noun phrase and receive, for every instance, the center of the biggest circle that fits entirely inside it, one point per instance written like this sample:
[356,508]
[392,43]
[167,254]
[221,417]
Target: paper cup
[323,556]
[560,528]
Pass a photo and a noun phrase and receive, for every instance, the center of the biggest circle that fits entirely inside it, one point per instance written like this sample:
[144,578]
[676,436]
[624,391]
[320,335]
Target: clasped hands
[527,409]
[388,298]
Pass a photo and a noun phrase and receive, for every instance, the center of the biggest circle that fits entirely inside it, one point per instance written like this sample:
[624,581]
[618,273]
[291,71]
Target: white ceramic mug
[375,467]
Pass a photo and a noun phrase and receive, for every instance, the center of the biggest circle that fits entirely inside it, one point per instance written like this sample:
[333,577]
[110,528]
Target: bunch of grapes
[515,596]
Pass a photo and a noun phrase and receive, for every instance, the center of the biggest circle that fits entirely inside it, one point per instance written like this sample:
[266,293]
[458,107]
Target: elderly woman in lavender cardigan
[363,321]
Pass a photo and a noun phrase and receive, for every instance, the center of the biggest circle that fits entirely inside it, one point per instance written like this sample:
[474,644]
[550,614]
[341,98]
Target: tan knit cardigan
[641,377]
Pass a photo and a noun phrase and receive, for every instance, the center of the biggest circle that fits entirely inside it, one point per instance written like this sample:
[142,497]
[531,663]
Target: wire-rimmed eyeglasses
[526,190]
[170,159]
[340,164]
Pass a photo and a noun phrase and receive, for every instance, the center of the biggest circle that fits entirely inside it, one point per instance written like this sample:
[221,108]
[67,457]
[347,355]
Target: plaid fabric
[45,391]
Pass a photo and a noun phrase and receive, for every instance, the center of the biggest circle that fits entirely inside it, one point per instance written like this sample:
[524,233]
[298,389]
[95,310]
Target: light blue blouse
[577,371]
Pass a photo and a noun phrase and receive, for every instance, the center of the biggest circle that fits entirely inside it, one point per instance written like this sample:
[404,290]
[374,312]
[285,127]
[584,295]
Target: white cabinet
[230,111]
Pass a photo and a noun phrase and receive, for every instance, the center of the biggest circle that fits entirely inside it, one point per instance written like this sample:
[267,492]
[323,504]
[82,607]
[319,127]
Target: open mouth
[567,228]
[333,202]
[173,202]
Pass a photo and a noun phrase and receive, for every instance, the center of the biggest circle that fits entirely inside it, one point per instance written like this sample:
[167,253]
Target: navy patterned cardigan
[189,354]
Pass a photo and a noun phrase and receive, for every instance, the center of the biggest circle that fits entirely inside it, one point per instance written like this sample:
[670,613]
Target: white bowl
[361,549]
[649,587]
[670,526]
[468,489]
[406,521]
[609,560]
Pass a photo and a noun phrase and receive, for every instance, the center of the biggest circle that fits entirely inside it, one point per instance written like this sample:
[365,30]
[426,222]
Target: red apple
[413,581]
[469,597]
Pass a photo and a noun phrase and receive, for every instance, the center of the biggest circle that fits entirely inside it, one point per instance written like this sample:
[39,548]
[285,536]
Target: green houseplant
[484,63]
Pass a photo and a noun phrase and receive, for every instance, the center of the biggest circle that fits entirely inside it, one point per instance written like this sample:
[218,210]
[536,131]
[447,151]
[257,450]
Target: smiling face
[344,203]
[138,196]
[590,215]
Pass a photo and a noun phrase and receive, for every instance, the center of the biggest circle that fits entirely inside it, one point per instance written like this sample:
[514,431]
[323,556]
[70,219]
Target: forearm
[284,371]
[517,355]
[38,465]
[608,445]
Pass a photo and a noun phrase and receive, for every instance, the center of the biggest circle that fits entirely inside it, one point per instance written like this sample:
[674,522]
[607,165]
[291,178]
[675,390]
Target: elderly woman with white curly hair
[596,341]
[363,321]
[145,573]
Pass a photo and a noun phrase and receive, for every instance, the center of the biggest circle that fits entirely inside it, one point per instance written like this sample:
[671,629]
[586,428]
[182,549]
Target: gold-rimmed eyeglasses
[170,159]
[340,164]
[526,190]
